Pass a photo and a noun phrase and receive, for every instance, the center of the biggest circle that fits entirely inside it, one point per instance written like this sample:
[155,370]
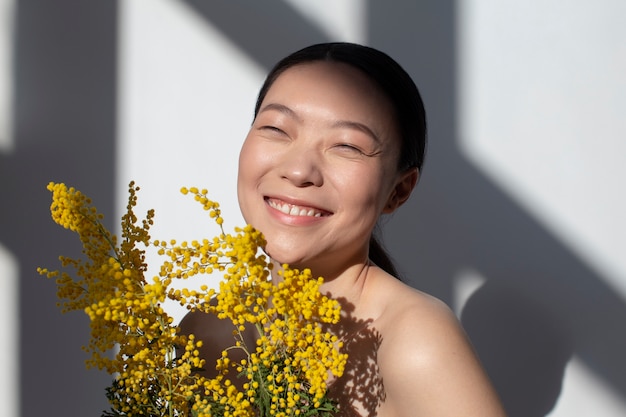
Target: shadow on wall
[523,350]
[65,125]
[458,220]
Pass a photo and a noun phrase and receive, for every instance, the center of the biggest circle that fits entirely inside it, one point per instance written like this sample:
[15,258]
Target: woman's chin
[282,256]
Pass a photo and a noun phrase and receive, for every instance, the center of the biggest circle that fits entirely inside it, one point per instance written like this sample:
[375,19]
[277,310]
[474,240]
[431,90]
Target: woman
[338,140]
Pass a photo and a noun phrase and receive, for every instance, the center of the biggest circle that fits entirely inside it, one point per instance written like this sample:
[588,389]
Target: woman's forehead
[332,84]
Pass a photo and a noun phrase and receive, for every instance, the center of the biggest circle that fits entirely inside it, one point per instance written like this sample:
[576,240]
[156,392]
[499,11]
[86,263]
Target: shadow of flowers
[360,389]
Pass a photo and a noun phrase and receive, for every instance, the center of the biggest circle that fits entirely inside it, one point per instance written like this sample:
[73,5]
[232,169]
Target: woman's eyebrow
[280,108]
[349,124]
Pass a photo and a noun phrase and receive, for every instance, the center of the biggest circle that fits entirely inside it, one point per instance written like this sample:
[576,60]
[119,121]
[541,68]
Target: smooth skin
[317,169]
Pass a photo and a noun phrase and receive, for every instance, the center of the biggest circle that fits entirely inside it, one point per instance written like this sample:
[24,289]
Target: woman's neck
[346,284]
[350,284]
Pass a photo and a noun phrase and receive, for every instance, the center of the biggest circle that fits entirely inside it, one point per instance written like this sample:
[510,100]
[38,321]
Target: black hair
[394,82]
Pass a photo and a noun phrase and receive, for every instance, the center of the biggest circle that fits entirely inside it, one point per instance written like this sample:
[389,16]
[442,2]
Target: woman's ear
[402,190]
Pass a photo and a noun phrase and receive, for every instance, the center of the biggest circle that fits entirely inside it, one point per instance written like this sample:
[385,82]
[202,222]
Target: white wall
[185,100]
[541,108]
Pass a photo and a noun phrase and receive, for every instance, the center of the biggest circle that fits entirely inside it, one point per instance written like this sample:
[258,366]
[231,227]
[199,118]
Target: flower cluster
[284,374]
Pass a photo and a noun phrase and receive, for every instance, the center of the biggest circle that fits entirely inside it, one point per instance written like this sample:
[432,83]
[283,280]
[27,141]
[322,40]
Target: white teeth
[294,210]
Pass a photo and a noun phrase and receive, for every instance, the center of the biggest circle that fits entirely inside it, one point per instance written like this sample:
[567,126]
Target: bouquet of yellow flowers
[155,365]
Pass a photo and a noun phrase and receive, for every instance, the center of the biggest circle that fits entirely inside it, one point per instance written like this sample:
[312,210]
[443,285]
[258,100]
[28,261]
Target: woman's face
[319,166]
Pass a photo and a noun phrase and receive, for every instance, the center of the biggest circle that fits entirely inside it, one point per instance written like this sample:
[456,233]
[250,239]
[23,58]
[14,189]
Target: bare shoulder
[419,328]
[412,319]
[426,360]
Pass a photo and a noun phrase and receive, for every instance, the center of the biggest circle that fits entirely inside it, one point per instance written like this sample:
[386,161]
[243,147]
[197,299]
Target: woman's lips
[295,210]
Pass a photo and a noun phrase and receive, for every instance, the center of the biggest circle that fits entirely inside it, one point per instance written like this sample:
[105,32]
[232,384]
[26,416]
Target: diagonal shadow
[64,118]
[265,31]
[459,219]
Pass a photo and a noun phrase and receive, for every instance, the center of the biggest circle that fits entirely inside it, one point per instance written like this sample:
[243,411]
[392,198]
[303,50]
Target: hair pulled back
[393,81]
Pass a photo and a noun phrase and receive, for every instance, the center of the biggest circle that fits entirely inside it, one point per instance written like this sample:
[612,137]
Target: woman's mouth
[295,210]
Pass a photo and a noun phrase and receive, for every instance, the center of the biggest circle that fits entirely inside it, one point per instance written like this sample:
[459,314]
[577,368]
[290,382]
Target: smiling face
[319,166]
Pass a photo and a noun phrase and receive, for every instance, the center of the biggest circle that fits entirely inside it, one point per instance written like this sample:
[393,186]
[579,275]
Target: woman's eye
[349,148]
[272,129]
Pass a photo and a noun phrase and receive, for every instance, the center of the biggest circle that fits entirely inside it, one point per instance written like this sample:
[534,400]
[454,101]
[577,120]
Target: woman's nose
[302,167]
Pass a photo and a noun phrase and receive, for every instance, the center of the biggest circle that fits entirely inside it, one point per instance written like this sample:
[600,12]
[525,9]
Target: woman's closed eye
[349,148]
[355,150]
[274,132]
[272,129]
